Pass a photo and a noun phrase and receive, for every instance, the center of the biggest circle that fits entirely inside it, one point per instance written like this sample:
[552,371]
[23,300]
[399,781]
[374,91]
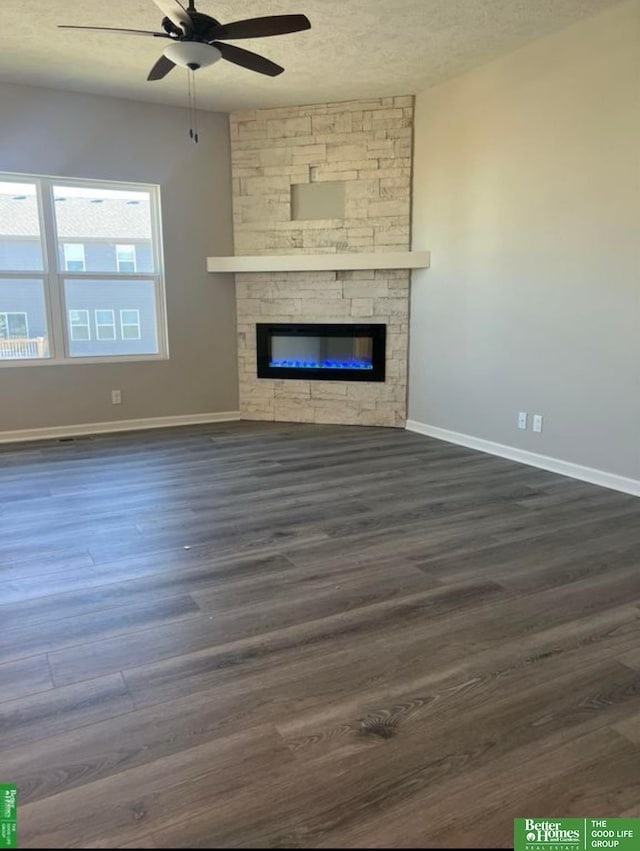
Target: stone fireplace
[364,147]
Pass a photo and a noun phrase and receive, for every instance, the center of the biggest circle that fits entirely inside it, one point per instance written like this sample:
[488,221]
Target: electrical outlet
[537,422]
[116,397]
[522,419]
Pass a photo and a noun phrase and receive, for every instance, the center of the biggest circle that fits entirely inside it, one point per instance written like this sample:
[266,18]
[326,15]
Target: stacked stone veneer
[368,146]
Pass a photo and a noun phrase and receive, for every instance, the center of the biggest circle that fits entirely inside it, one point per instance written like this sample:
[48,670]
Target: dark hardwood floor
[271,635]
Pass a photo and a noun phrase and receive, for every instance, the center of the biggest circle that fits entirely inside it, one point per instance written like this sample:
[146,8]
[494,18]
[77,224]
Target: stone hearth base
[381,296]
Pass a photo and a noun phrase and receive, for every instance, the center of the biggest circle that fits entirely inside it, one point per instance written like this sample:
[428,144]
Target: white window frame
[135,324]
[54,275]
[6,314]
[66,248]
[99,325]
[74,325]
[119,250]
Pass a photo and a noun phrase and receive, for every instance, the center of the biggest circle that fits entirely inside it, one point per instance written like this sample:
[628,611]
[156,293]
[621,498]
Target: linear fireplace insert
[321,352]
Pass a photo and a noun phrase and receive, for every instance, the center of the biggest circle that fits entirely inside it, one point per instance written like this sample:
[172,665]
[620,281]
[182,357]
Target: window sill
[73,361]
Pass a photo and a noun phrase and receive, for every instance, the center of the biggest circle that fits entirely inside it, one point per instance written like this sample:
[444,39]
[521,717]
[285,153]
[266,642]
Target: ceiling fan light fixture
[192,54]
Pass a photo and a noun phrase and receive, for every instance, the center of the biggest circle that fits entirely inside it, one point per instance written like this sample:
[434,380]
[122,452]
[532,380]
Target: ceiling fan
[197,40]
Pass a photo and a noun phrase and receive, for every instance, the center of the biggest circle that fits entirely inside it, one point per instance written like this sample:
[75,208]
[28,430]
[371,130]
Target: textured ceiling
[356,48]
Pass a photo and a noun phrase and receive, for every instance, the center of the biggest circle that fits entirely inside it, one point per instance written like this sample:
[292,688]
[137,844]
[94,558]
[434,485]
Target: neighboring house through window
[130,324]
[79,325]
[105,325]
[13,326]
[74,260]
[126,258]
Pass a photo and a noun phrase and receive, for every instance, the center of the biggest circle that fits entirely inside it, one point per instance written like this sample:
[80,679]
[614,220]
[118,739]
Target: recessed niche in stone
[322,200]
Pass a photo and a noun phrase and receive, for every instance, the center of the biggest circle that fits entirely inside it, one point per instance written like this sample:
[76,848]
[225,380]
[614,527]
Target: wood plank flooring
[296,636]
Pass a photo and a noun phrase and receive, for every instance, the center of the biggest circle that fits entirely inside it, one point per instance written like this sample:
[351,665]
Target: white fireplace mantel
[320,262]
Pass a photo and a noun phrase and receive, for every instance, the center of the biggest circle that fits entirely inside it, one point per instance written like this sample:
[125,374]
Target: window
[130,324]
[74,257]
[20,229]
[126,258]
[79,325]
[80,271]
[13,326]
[105,325]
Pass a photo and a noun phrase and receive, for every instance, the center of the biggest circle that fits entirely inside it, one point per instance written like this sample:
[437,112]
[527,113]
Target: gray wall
[73,135]
[527,191]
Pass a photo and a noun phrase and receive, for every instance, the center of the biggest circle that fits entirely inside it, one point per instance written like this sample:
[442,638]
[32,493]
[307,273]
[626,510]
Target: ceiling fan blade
[240,56]
[260,27]
[161,68]
[176,13]
[113,30]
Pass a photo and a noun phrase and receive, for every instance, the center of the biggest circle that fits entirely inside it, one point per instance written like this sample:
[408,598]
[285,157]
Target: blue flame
[312,363]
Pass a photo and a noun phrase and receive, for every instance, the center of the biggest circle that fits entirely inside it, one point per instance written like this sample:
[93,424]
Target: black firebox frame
[377,332]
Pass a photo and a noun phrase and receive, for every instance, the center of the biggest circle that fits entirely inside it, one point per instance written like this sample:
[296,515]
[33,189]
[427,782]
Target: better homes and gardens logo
[576,834]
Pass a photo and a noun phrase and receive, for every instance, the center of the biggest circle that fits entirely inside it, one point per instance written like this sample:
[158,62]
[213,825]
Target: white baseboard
[54,432]
[533,459]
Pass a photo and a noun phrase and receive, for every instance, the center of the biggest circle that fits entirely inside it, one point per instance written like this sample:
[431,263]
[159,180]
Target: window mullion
[53,283]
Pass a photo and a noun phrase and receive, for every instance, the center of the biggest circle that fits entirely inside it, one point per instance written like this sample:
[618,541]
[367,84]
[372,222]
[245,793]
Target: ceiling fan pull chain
[190,105]
[195,109]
